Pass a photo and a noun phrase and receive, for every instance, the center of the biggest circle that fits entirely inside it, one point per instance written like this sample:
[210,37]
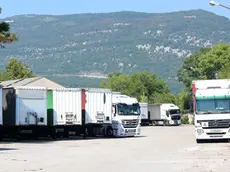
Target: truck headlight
[200,131]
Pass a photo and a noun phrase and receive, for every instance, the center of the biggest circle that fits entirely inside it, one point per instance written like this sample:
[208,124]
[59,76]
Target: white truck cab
[164,114]
[211,104]
[126,118]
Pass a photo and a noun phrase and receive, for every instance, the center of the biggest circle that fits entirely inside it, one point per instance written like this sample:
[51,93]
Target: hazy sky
[17,7]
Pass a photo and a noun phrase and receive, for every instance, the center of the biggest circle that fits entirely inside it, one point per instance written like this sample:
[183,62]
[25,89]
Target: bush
[193,122]
[185,119]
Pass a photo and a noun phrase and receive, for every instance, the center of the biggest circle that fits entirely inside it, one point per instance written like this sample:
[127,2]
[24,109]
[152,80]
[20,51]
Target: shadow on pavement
[215,141]
[50,140]
[7,149]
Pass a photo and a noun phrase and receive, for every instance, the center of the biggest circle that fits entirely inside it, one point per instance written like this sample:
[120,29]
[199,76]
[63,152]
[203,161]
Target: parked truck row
[160,114]
[61,112]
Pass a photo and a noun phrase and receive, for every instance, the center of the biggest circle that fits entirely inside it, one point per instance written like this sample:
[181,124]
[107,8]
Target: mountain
[65,47]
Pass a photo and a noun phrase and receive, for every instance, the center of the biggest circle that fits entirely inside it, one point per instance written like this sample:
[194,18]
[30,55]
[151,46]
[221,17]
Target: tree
[15,69]
[224,72]
[146,87]
[205,64]
[191,67]
[5,35]
[183,100]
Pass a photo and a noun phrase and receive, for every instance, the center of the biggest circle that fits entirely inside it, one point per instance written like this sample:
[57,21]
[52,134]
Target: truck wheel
[109,132]
[1,135]
[54,134]
[165,123]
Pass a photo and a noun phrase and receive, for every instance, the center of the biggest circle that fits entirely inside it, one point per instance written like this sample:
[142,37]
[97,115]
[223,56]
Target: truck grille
[224,123]
[130,123]
[177,117]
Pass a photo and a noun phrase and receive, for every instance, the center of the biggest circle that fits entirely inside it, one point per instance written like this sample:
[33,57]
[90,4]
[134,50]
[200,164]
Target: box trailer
[64,110]
[98,106]
[164,114]
[24,110]
[144,114]
[97,111]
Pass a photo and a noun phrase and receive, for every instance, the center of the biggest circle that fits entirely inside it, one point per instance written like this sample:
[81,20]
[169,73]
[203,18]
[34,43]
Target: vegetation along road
[158,149]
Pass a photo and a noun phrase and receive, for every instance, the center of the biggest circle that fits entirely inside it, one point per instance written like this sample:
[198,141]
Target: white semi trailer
[211,105]
[164,114]
[126,117]
[97,112]
[24,111]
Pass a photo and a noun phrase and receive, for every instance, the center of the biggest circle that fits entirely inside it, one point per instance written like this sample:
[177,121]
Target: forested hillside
[64,47]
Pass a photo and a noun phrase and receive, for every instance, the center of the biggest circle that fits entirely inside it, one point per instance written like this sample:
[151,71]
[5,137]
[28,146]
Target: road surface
[159,149]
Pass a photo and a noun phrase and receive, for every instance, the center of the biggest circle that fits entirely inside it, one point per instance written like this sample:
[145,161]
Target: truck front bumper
[125,132]
[174,122]
[203,134]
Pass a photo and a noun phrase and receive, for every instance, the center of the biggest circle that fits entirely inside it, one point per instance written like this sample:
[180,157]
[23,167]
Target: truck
[126,118]
[211,108]
[164,114]
[144,114]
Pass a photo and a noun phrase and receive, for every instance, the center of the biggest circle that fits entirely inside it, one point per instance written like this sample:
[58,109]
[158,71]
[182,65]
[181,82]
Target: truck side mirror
[114,111]
[104,98]
[167,113]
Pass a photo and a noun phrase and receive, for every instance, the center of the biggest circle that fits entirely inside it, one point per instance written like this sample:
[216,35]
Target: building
[31,82]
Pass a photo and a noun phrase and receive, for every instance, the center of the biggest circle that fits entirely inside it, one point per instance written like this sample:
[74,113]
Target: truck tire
[165,123]
[109,132]
[66,133]
[54,134]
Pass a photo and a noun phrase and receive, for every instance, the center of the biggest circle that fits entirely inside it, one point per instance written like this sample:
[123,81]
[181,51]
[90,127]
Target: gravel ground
[159,149]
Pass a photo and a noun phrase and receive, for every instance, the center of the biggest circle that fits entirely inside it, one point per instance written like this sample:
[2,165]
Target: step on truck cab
[126,115]
[211,105]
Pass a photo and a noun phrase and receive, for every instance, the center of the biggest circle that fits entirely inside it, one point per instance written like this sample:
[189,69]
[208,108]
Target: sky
[59,7]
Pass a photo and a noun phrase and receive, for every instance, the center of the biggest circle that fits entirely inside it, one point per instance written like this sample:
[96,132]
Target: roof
[123,99]
[20,82]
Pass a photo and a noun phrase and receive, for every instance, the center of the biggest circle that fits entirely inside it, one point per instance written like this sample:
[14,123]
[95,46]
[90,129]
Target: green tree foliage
[224,73]
[146,87]
[184,98]
[185,119]
[5,35]
[191,67]
[15,69]
[205,64]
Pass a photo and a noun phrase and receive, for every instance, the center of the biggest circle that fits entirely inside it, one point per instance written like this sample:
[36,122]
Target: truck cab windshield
[213,106]
[126,109]
[174,111]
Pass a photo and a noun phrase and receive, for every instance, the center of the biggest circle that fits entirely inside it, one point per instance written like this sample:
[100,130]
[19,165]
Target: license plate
[216,131]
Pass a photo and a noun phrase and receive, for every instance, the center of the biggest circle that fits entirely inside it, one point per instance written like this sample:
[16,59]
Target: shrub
[185,119]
